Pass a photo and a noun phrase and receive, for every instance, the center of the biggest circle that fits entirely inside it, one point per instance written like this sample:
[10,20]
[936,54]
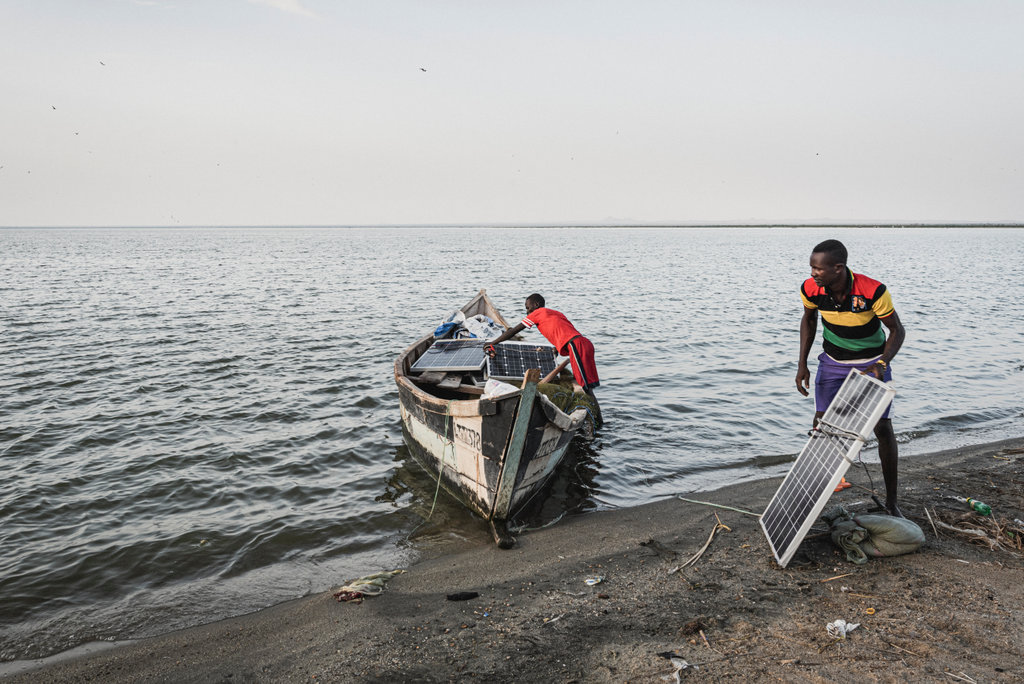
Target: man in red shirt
[554,326]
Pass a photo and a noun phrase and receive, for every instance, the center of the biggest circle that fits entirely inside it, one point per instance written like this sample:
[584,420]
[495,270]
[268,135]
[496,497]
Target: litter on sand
[680,665]
[370,585]
[591,581]
[991,531]
[838,629]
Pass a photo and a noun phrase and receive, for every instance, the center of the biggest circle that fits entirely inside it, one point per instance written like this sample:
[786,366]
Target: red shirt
[554,326]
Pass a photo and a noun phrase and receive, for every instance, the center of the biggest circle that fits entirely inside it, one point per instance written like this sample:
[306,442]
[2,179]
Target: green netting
[562,395]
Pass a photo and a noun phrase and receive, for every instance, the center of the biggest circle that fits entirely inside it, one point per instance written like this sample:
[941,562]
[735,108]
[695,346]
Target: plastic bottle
[975,505]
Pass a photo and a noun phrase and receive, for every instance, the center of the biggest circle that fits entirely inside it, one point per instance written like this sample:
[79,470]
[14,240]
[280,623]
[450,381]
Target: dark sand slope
[951,612]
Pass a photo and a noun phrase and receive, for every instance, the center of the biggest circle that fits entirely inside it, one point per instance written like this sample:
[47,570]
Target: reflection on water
[573,487]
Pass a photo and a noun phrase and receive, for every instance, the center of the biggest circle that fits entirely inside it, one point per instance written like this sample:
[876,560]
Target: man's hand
[803,379]
[876,369]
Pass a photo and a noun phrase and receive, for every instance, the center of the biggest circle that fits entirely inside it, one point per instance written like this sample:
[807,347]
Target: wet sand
[953,611]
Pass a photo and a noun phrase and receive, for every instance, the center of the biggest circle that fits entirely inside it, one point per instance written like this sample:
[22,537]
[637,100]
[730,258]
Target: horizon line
[655,224]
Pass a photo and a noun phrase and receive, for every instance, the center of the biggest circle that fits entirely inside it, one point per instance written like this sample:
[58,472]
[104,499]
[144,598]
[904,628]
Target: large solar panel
[512,359]
[451,355]
[842,430]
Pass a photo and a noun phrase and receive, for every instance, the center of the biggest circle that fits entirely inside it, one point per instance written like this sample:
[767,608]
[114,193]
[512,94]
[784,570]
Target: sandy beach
[951,612]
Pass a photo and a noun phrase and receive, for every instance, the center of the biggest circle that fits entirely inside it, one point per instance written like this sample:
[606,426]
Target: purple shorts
[831,375]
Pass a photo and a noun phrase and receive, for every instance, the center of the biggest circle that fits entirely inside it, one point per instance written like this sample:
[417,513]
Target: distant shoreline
[869,224]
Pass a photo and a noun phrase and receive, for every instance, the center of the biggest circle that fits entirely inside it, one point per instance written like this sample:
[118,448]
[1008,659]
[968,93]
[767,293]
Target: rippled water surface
[197,423]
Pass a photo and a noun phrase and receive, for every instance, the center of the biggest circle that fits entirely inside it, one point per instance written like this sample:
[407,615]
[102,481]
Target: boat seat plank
[431,377]
[450,381]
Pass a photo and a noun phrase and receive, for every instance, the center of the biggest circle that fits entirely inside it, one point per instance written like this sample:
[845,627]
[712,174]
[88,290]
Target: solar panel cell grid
[820,461]
[451,355]
[513,359]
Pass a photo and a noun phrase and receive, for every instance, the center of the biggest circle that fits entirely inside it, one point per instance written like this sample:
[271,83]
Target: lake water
[197,423]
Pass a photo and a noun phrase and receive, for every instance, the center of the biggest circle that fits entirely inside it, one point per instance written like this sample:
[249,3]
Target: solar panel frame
[823,461]
[451,355]
[513,359]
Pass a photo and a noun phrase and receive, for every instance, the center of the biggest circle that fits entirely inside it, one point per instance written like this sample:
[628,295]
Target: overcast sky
[289,112]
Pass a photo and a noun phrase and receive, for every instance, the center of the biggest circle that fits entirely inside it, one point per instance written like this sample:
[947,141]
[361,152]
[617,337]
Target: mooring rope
[437,487]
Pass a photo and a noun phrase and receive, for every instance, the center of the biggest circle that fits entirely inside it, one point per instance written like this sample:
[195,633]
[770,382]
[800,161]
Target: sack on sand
[889,536]
[865,536]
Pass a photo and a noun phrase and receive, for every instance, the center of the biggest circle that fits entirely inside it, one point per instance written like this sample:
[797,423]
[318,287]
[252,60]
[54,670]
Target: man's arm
[892,343]
[511,332]
[808,328]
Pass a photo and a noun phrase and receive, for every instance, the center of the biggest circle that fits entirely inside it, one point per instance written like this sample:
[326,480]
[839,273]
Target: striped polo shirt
[852,329]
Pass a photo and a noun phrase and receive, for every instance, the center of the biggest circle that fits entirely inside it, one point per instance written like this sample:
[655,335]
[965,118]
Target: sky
[337,112]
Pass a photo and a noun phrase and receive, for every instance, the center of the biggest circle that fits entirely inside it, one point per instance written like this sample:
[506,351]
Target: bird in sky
[102,64]
[422,69]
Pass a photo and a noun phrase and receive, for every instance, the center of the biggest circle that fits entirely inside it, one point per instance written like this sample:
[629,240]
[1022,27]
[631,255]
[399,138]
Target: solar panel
[512,360]
[823,461]
[451,355]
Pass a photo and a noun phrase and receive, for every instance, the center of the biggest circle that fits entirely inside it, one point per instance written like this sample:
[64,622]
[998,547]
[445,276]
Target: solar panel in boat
[451,355]
[513,359]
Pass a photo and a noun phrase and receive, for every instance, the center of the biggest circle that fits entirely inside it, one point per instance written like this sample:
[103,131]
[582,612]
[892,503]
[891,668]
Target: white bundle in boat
[482,327]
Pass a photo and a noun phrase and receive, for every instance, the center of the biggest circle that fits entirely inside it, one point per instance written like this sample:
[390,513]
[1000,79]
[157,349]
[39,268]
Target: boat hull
[470,452]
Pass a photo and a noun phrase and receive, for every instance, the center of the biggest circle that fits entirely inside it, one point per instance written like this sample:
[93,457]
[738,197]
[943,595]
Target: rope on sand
[728,508]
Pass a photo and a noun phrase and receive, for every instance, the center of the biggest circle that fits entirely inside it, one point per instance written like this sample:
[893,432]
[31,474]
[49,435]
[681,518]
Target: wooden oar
[551,376]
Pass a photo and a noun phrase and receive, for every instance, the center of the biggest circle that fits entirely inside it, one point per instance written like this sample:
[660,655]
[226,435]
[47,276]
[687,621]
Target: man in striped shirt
[853,309]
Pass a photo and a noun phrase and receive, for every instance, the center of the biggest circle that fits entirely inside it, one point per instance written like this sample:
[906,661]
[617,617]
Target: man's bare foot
[894,510]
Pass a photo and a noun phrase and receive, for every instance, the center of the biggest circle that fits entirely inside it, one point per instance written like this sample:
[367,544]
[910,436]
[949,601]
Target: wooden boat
[493,455]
